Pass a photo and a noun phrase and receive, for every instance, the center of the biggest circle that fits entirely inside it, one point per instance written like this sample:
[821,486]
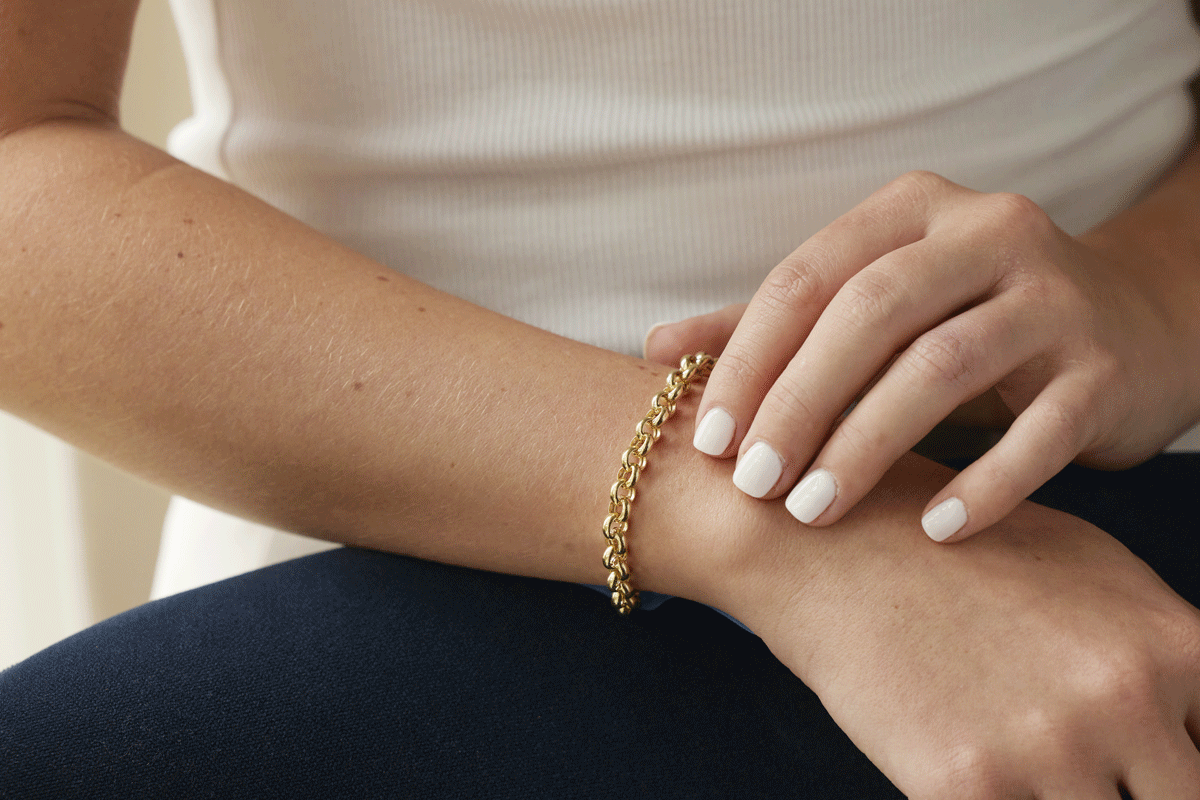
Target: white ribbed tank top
[596,166]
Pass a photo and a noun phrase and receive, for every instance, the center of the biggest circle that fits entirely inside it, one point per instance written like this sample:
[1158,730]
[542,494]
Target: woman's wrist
[785,581]
[1154,248]
[694,535]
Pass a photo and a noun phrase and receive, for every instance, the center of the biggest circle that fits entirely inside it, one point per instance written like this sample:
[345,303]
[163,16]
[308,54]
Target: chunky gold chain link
[616,524]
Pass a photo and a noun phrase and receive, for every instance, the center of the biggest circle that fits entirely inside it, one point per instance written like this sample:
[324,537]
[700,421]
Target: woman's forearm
[1157,242]
[178,327]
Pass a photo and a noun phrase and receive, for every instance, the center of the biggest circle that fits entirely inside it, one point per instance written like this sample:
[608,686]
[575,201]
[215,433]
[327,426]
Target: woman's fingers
[954,362]
[1045,437]
[786,307]
[1166,770]
[668,342]
[877,312]
[967,288]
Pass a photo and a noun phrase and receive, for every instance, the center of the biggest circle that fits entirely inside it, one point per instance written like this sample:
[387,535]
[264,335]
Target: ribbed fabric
[596,166]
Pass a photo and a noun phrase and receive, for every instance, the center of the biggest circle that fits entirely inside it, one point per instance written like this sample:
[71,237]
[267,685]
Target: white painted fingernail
[715,432]
[812,495]
[945,519]
[758,470]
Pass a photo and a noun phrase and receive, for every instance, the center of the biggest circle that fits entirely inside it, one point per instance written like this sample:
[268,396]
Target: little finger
[1044,438]
[1168,770]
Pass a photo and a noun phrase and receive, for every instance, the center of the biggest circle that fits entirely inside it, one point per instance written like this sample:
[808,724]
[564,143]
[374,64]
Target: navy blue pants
[359,674]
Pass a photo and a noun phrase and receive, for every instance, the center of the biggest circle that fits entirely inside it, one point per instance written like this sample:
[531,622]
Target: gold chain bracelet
[616,524]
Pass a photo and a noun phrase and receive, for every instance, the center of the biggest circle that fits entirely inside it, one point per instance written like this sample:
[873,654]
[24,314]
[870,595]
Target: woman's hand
[1041,661]
[923,297]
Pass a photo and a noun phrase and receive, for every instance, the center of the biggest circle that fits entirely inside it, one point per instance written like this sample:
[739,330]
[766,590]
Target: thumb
[668,342]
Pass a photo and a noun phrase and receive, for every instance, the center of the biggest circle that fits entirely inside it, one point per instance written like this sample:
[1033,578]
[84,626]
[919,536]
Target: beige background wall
[78,539]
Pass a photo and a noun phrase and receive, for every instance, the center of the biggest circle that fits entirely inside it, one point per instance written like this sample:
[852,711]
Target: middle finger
[886,305]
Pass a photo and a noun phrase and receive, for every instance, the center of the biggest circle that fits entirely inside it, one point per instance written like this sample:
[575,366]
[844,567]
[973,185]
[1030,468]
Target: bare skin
[173,325]
[928,295]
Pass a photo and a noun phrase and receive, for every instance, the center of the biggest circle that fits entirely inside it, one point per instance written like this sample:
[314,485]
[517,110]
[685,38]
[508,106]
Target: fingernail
[945,519]
[812,495]
[715,432]
[758,470]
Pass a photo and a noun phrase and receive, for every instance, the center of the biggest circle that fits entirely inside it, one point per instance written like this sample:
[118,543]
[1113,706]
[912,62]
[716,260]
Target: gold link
[621,508]
[633,461]
[634,473]
[618,575]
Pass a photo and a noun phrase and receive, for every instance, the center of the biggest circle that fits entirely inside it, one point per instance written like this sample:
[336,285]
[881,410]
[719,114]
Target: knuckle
[785,402]
[918,187]
[857,444]
[940,356]
[740,371]
[1061,425]
[1017,232]
[1124,682]
[1033,288]
[789,286]
[922,182]
[1017,213]
[1063,300]
[871,295]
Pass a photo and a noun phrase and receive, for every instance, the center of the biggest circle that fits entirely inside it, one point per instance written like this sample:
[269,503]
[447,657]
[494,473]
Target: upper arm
[62,58]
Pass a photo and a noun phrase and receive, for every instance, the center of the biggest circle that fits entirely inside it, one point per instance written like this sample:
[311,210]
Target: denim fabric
[360,674]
